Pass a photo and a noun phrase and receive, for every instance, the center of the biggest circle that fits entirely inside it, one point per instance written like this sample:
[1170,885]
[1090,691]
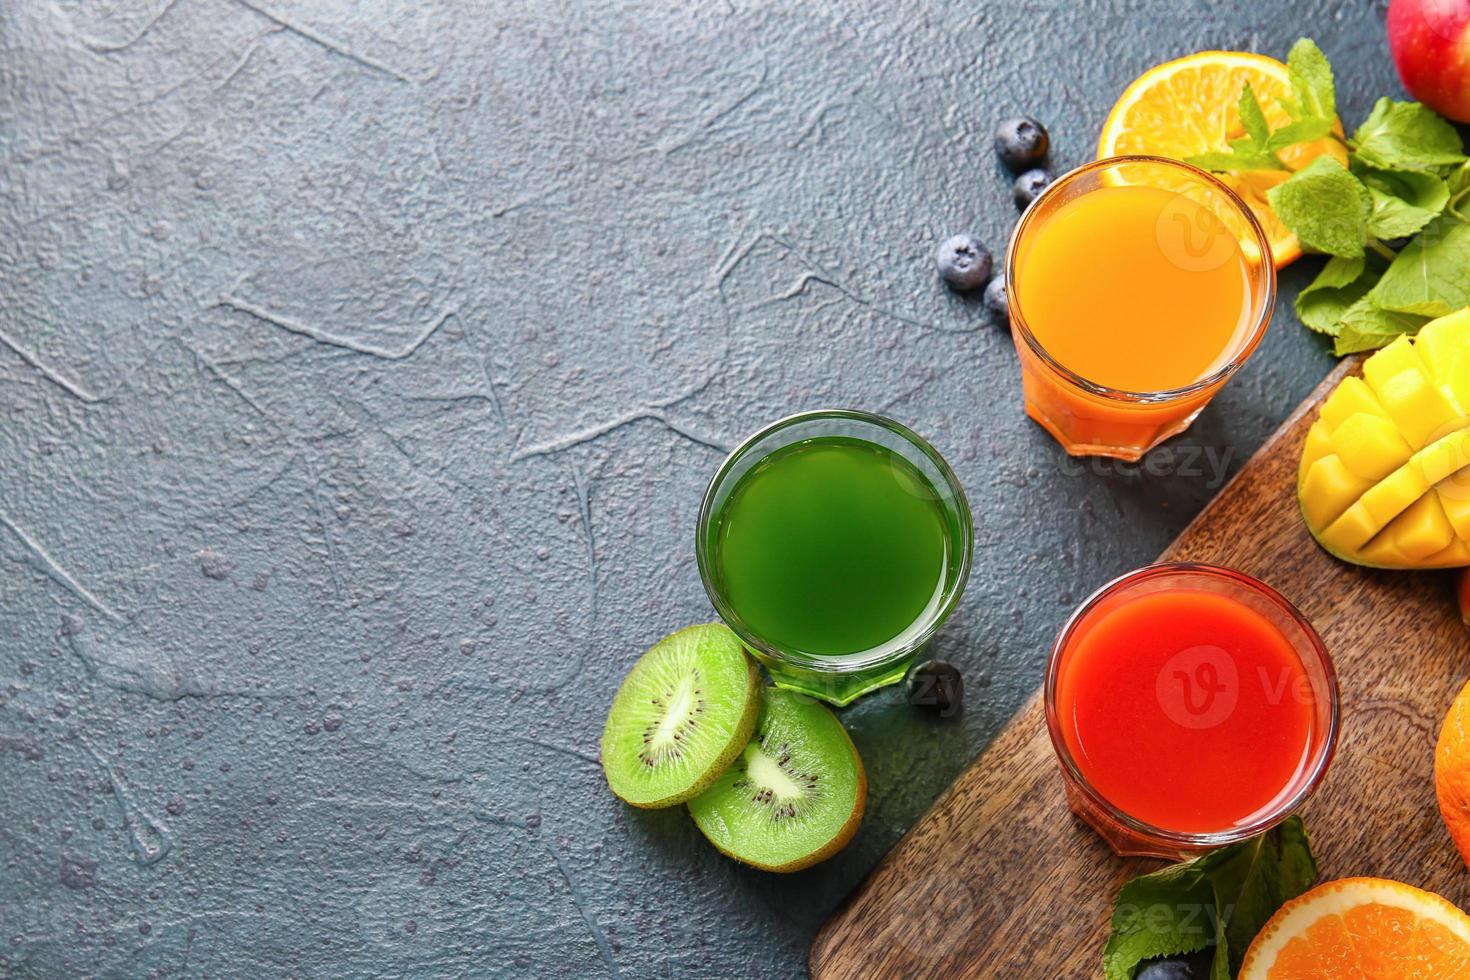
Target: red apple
[1430,41]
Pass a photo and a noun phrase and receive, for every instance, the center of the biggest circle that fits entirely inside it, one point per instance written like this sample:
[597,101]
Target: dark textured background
[362,366]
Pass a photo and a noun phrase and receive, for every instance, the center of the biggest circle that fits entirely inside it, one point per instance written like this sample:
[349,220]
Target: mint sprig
[1407,136]
[1254,152]
[1219,900]
[1431,275]
[1330,207]
[1404,201]
[1341,284]
[1312,87]
[1407,178]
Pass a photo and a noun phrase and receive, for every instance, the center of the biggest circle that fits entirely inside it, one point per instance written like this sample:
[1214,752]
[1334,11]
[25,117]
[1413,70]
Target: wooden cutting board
[999,880]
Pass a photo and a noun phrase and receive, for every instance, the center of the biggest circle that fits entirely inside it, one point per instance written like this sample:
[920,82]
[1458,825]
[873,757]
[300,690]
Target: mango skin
[1385,473]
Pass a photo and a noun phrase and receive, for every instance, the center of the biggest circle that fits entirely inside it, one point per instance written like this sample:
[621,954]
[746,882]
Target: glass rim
[863,659]
[1253,338]
[1190,841]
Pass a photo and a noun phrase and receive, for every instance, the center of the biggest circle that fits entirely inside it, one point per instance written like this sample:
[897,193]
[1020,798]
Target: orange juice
[1131,315]
[1137,287]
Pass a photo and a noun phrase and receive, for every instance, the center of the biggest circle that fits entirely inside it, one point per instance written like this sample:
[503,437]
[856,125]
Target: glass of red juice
[1190,706]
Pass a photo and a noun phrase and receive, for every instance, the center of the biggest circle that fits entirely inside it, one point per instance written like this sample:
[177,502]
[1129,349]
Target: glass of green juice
[834,543]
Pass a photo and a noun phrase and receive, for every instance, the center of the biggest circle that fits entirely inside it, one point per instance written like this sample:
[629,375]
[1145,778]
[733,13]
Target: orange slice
[1452,765]
[1190,106]
[1362,929]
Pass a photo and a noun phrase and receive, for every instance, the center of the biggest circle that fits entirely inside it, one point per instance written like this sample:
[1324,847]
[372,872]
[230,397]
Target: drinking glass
[839,678]
[1210,226]
[1131,836]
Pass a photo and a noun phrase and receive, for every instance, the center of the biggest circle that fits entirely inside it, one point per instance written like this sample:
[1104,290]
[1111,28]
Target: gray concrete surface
[361,369]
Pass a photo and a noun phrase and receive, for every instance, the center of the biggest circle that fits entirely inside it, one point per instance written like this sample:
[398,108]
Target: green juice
[832,546]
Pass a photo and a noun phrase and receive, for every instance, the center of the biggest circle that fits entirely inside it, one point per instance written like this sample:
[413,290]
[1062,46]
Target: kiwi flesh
[682,714]
[796,794]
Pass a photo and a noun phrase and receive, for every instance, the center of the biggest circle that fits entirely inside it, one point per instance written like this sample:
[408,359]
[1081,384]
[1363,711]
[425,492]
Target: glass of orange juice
[1137,287]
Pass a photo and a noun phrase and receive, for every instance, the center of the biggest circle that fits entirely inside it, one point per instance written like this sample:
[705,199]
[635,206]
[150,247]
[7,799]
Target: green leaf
[1404,201]
[1340,284]
[1458,179]
[1236,162]
[1407,136]
[1162,914]
[1312,88]
[1242,155]
[1254,879]
[1299,131]
[1366,327]
[1431,275]
[1326,206]
[1458,182]
[1253,118]
[1222,898]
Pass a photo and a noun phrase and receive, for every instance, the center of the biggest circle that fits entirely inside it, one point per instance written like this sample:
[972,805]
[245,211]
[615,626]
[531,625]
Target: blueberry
[995,298]
[1195,966]
[936,685]
[1028,185]
[1021,142]
[963,261]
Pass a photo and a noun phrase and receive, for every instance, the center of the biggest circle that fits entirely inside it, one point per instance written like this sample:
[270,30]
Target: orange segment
[1363,929]
[1189,106]
[1452,763]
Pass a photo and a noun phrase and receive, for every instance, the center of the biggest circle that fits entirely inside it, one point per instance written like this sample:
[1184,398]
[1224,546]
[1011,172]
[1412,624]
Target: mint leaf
[1166,913]
[1366,327]
[1404,201]
[1458,183]
[1255,878]
[1326,206]
[1240,158]
[1222,898]
[1299,131]
[1242,155]
[1459,179]
[1407,136]
[1340,284]
[1312,88]
[1431,275]
[1409,176]
[1253,118]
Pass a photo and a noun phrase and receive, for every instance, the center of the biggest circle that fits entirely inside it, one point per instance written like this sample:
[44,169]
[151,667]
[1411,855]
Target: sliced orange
[1362,929]
[1190,106]
[1452,765]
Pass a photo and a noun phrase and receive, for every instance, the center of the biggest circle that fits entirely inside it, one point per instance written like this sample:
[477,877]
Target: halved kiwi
[796,794]
[684,711]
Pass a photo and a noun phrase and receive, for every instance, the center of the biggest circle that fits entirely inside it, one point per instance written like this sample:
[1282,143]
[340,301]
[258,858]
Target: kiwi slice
[684,711]
[796,794]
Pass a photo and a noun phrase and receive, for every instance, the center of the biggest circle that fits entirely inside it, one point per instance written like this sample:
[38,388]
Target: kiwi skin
[743,732]
[840,840]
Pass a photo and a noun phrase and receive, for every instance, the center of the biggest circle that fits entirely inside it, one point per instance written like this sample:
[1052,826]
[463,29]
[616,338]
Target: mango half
[1385,474]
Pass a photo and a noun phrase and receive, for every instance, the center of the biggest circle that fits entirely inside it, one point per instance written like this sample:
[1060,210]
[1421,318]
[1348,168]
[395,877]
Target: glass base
[1129,454]
[1124,841]
[837,689]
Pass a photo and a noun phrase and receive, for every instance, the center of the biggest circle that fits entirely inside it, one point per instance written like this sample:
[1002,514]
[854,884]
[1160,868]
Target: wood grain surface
[1000,880]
